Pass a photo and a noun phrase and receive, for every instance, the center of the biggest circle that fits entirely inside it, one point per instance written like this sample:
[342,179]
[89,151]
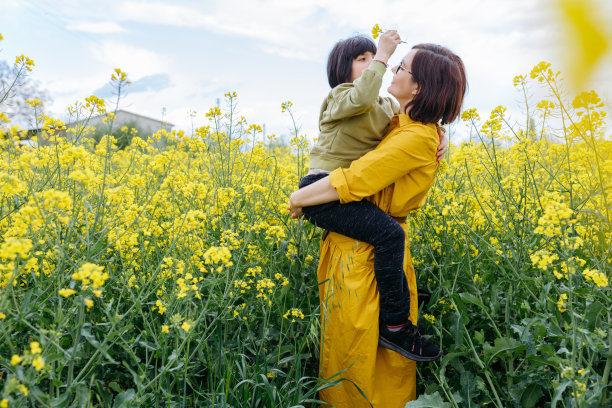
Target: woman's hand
[319,192]
[386,45]
[296,212]
[443,146]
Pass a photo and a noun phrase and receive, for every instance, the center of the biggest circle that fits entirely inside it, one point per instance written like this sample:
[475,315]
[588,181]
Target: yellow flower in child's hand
[376,31]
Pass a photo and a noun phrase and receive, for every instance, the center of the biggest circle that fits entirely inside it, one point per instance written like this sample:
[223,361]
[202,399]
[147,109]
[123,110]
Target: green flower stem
[606,372]
[76,341]
[498,403]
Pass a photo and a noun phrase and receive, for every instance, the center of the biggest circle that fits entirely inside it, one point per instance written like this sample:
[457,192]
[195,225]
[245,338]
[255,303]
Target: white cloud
[96,27]
[277,23]
[135,61]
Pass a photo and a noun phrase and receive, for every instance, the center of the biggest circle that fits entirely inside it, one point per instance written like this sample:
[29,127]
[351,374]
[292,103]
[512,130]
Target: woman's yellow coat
[396,176]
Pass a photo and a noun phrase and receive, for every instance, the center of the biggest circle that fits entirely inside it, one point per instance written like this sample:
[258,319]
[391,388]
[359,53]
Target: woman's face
[360,63]
[403,87]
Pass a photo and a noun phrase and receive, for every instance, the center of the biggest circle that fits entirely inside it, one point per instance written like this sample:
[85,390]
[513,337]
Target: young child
[352,121]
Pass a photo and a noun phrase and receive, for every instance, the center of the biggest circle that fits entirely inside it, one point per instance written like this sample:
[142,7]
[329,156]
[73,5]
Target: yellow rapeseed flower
[13,247]
[376,31]
[293,313]
[2,316]
[587,40]
[160,307]
[597,277]
[430,318]
[23,389]
[35,347]
[15,359]
[119,76]
[91,273]
[26,61]
[34,102]
[186,326]
[561,302]
[4,403]
[65,292]
[165,329]
[38,363]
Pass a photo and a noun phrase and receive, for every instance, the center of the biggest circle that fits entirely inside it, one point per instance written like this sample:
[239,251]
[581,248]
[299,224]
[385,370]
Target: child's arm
[351,99]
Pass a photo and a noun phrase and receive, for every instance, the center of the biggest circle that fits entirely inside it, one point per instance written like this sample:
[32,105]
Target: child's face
[360,63]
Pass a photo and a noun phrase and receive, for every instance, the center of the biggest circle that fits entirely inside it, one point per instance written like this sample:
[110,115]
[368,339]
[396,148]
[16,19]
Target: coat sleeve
[360,96]
[405,151]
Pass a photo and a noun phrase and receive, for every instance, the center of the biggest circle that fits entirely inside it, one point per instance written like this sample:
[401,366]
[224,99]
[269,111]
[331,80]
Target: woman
[429,84]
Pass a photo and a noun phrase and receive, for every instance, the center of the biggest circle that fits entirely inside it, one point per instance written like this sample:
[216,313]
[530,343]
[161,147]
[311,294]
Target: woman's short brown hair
[440,75]
[340,60]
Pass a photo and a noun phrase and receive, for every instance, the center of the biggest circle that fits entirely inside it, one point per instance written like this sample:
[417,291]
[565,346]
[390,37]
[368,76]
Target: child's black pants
[364,221]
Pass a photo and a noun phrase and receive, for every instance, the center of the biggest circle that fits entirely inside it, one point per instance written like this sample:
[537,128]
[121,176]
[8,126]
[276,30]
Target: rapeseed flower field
[168,273]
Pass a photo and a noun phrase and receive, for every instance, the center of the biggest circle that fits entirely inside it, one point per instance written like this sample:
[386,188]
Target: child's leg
[364,221]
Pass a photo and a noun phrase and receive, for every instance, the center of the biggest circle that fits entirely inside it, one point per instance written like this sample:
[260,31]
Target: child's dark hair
[442,82]
[340,60]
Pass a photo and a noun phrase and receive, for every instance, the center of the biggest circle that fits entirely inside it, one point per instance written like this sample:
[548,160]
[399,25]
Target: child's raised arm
[351,99]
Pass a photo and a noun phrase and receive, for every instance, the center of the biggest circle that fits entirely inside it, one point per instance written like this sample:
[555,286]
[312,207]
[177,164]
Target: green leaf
[123,399]
[469,298]
[428,401]
[592,313]
[559,392]
[531,396]
[113,385]
[502,344]
[479,337]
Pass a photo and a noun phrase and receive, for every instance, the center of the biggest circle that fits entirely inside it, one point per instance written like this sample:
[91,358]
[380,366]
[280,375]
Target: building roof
[129,113]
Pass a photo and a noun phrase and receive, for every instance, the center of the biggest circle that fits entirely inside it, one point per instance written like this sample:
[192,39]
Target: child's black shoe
[408,342]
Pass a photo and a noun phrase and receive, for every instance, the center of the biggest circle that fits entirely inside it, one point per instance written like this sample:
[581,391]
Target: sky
[184,55]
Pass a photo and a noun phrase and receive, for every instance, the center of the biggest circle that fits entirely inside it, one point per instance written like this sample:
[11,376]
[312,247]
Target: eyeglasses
[401,66]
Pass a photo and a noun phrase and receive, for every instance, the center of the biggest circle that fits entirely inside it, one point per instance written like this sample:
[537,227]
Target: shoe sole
[388,345]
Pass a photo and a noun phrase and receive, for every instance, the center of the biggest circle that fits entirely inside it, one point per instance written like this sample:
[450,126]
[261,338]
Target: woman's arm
[406,151]
[319,192]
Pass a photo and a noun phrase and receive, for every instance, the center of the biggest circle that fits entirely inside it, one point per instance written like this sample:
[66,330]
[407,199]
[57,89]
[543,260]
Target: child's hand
[386,45]
[443,146]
